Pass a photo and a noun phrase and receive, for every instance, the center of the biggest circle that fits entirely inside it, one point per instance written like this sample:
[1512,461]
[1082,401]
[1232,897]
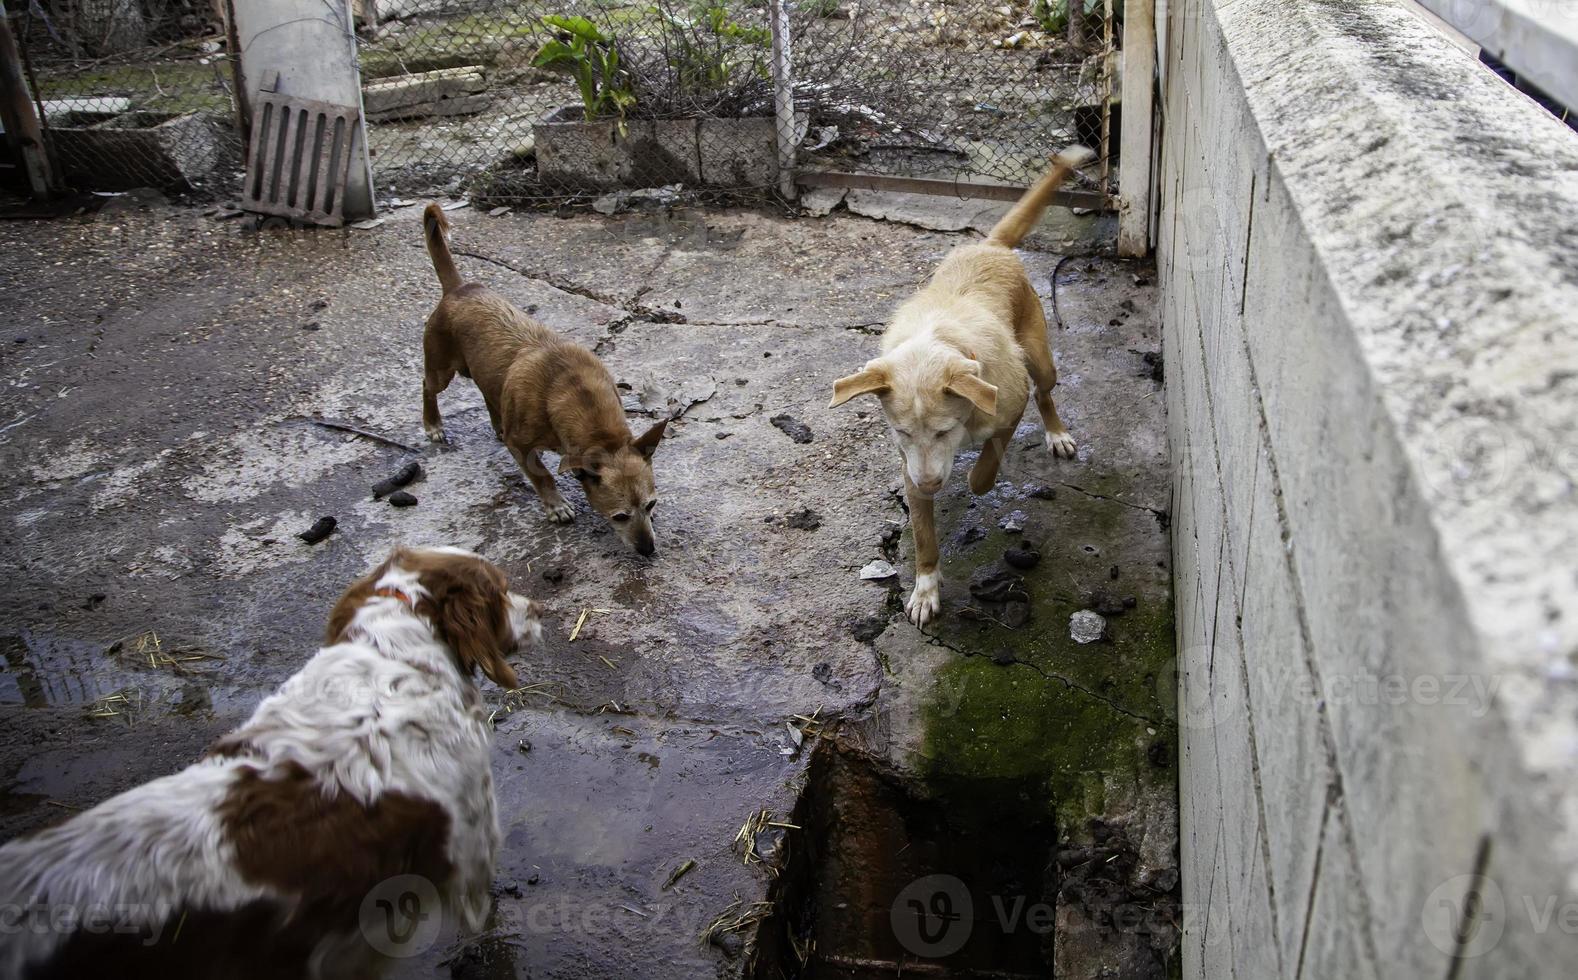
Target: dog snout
[646,546]
[527,619]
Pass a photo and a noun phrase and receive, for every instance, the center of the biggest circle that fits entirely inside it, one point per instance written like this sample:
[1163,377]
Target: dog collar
[392,593]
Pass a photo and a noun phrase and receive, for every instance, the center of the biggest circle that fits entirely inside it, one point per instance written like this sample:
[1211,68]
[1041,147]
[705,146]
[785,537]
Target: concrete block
[1335,947]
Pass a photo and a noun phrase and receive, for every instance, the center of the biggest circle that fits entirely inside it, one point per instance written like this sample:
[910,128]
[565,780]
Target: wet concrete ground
[157,458]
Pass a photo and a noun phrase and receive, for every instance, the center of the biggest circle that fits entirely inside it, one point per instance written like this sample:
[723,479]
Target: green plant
[708,51]
[591,58]
[820,8]
[1052,15]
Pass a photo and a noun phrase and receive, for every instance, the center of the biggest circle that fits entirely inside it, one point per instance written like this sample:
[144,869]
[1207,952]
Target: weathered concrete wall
[1369,265]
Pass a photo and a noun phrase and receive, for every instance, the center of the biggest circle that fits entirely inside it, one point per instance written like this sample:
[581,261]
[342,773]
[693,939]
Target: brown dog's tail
[435,227]
[1022,217]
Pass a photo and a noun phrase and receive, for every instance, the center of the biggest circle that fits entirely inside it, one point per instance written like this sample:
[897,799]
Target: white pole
[783,97]
[1134,174]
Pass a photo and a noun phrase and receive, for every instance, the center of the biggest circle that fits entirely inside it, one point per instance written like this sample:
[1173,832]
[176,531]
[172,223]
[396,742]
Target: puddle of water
[42,671]
[888,884]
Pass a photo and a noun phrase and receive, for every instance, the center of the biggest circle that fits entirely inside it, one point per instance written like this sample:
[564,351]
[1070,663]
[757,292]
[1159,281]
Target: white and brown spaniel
[264,858]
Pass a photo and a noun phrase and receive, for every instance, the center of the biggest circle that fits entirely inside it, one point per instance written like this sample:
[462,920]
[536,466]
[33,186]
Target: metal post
[783,97]
[18,114]
[1139,86]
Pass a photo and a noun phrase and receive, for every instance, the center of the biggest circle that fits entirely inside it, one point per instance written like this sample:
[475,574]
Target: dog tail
[1022,217]
[435,227]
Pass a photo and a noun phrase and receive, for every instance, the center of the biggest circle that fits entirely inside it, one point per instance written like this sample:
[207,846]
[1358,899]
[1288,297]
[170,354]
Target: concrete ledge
[1369,262]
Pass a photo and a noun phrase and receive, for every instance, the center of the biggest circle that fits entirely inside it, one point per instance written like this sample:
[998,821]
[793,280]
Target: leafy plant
[591,58]
[1052,15]
[708,52]
[820,8]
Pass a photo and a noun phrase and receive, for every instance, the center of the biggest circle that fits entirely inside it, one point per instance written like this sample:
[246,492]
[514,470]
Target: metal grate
[301,158]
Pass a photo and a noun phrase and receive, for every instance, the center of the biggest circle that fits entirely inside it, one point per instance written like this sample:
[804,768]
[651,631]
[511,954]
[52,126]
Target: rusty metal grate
[301,158]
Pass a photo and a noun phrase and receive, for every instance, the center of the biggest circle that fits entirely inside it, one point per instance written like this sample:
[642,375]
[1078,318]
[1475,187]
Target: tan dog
[542,392]
[953,371]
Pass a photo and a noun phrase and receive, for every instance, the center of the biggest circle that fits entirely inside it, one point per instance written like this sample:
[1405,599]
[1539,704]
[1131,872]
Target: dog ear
[647,444]
[871,380]
[470,607]
[583,468]
[965,381]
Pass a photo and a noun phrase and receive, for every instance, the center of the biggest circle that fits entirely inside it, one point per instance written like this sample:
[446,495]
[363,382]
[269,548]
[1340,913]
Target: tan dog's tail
[435,227]
[1022,217]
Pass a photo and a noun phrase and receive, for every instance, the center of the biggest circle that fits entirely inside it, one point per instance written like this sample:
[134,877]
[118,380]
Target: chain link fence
[132,93]
[522,100]
[559,99]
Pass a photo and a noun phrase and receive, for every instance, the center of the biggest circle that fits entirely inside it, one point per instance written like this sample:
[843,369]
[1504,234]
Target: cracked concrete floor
[161,373]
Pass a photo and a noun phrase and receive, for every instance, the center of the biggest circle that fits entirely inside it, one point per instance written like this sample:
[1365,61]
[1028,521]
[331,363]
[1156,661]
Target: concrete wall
[1369,261]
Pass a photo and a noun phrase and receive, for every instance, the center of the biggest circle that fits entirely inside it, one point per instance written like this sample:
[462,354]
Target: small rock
[730,942]
[369,224]
[1105,602]
[310,327]
[878,570]
[867,629]
[1013,523]
[1086,626]
[1112,573]
[498,212]
[1153,360]
[1004,657]
[891,533]
[533,879]
[970,535]
[823,673]
[1023,559]
[722,435]
[320,530]
[792,427]
[553,575]
[402,498]
[1160,756]
[1016,614]
[320,304]
[1140,280]
[524,745]
[770,846]
[804,519]
[408,473]
[997,585]
[1042,492]
[93,600]
[512,890]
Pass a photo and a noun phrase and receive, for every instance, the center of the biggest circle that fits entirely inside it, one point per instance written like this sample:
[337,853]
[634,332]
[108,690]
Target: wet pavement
[158,455]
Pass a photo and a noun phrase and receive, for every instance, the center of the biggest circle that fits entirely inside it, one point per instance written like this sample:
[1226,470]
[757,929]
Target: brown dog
[956,368]
[542,392]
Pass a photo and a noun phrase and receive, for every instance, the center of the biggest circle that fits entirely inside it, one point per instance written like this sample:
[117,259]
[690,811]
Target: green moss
[1047,731]
[179,86]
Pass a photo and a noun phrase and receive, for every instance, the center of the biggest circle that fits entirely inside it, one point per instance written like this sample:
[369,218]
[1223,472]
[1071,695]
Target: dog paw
[1061,445]
[925,599]
[435,433]
[559,511]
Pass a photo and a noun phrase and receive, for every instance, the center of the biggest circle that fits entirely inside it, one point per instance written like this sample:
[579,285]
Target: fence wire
[132,93]
[524,100]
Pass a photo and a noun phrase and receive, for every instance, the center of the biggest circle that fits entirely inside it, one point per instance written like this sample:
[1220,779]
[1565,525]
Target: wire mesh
[517,101]
[132,93]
